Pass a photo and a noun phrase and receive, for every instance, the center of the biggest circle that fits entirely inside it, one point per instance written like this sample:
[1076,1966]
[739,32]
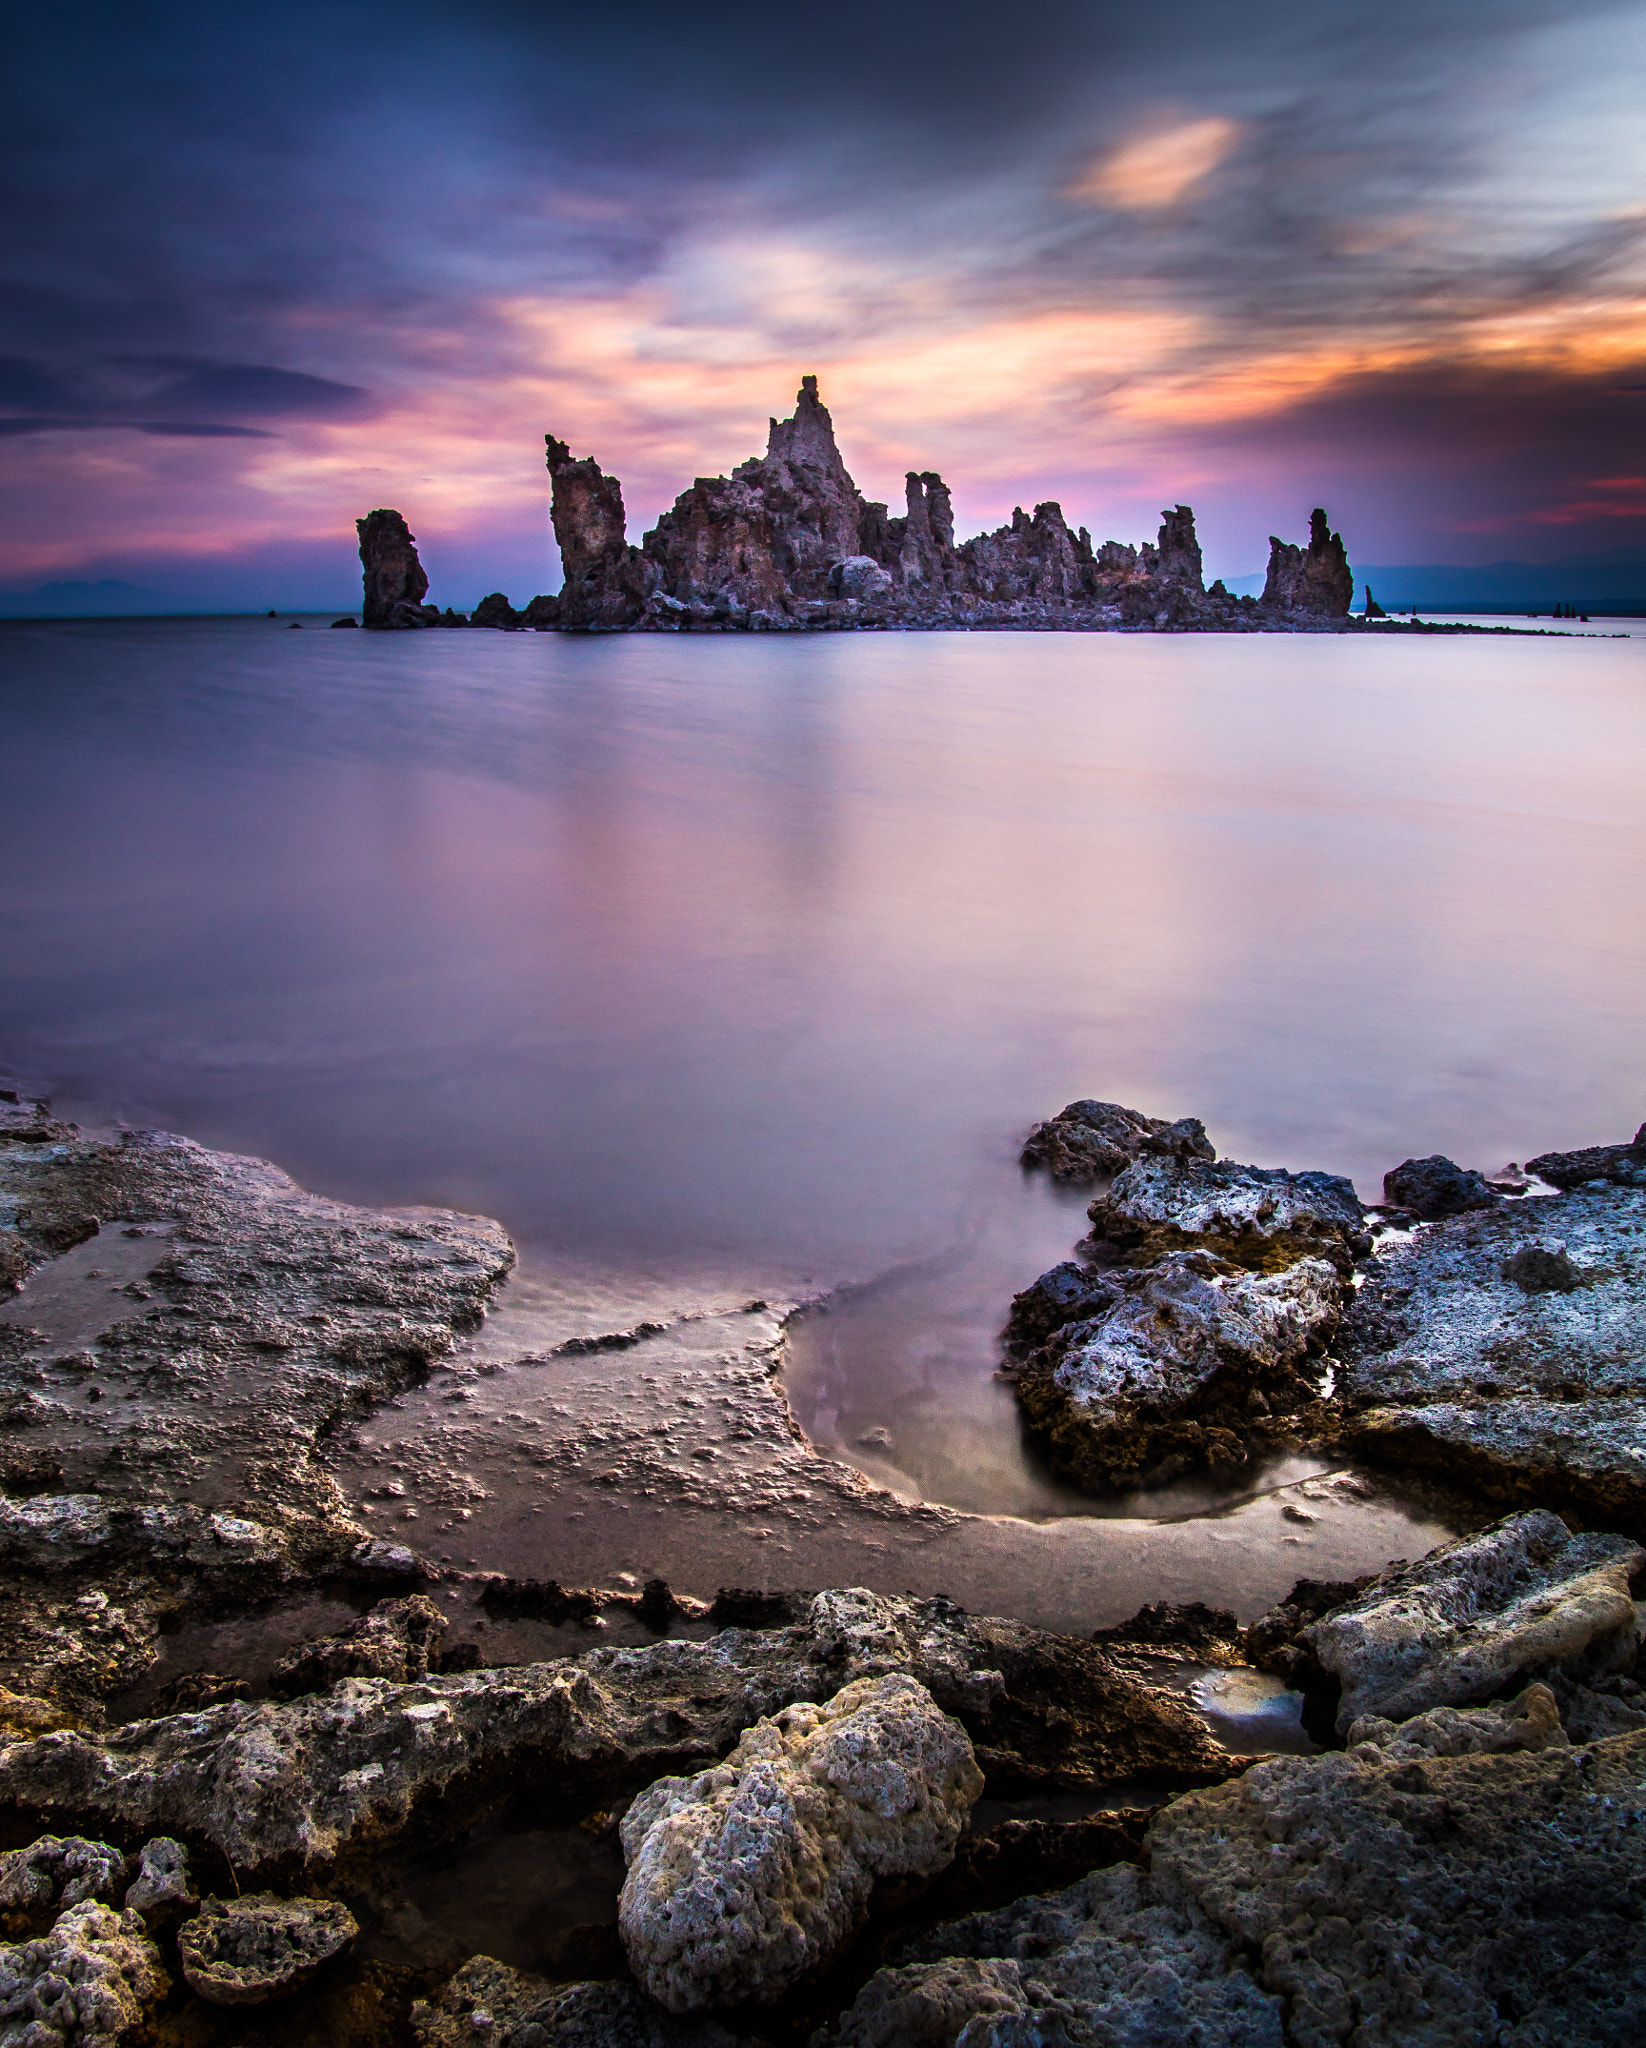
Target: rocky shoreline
[812,1792]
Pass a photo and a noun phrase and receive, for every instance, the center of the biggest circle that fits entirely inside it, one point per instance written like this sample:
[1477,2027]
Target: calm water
[757,956]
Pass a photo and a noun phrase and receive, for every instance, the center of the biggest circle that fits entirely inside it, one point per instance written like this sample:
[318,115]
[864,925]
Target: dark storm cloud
[186,174]
[223,225]
[167,395]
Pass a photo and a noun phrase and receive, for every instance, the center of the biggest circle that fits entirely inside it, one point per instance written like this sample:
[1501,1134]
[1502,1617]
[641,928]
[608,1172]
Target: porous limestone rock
[1106,1962]
[1585,1456]
[1090,1141]
[89,1983]
[54,1872]
[1518,1600]
[1172,1373]
[265,1782]
[1259,1216]
[249,1950]
[1435,1187]
[1529,1721]
[1503,1347]
[1433,1902]
[259,1318]
[1315,579]
[488,2003]
[395,581]
[749,1876]
[161,1891]
[398,1639]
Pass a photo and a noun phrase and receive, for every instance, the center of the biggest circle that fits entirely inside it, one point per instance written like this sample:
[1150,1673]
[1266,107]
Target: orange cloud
[1157,169]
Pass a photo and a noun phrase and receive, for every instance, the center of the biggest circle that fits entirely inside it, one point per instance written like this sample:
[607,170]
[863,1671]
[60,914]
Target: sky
[265,269]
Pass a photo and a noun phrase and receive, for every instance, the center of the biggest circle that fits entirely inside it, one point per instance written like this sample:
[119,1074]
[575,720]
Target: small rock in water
[1089,1141]
[1435,1187]
[247,1951]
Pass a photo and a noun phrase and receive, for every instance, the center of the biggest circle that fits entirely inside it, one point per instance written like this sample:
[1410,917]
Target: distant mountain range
[1610,586]
[105,600]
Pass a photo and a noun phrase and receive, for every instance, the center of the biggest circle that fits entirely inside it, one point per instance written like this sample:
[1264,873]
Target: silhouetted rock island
[788,543]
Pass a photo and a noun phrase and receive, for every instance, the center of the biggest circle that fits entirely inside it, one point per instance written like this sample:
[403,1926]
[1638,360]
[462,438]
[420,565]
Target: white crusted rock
[1179,1364]
[747,1876]
[1524,1597]
[87,1984]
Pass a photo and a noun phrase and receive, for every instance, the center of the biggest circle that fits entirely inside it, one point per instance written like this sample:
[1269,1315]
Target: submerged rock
[247,1951]
[753,1874]
[1519,1600]
[399,1639]
[1089,1141]
[89,1983]
[263,1316]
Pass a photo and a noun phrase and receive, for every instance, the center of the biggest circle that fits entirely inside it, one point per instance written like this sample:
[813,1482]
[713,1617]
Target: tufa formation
[788,541]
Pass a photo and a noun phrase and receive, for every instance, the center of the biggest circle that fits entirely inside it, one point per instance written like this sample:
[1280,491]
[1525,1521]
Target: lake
[745,962]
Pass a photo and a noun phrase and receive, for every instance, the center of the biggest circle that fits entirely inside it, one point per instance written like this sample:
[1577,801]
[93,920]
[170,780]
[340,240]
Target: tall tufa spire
[808,436]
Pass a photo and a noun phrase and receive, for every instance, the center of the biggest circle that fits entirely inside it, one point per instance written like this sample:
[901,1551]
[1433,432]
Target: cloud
[1158,168]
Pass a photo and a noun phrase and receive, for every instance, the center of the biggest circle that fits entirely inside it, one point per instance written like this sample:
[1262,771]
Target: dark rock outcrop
[1091,1141]
[1623,1164]
[788,542]
[395,581]
[1315,580]
[606,582]
[494,610]
[1435,1187]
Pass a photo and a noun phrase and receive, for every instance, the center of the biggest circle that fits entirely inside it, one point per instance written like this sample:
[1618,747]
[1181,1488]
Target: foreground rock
[1393,1893]
[754,1874]
[488,2002]
[1519,1600]
[1104,1961]
[1261,1217]
[89,1983]
[348,1772]
[1091,1141]
[247,1951]
[399,1639]
[1503,1348]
